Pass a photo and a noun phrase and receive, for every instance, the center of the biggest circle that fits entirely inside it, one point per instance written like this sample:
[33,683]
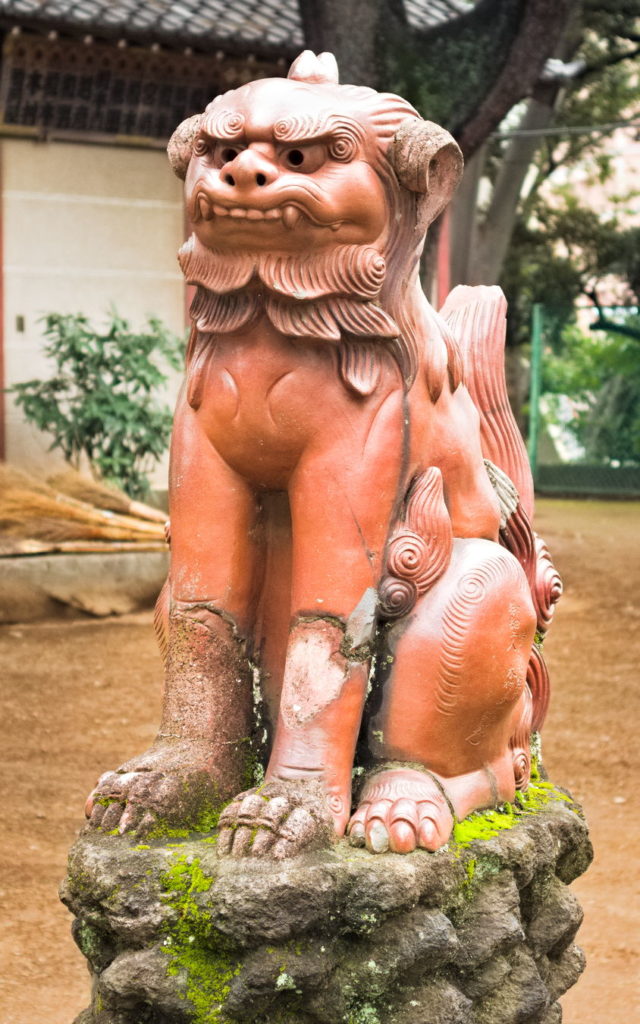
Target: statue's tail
[477,319]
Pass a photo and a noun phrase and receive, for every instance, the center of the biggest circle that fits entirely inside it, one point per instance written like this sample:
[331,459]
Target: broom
[31,508]
[101,495]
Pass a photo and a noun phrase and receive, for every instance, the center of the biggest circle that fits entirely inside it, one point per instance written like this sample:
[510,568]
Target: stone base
[479,933]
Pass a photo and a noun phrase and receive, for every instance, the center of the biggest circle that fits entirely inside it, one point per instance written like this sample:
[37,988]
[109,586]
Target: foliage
[561,254]
[571,245]
[463,63]
[101,401]
[600,372]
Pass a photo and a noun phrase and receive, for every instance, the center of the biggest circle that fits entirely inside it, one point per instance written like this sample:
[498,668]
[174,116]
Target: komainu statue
[354,577]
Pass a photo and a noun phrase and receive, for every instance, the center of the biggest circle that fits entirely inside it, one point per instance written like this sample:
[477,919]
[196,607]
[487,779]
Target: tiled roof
[251,22]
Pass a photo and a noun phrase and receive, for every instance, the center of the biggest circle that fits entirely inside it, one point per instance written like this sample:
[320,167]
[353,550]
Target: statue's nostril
[260,179]
[229,179]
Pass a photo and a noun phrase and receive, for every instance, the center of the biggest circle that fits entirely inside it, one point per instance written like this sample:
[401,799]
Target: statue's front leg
[198,758]
[342,503]
[453,700]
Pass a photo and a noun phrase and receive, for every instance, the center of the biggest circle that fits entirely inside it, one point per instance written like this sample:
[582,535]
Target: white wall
[84,227]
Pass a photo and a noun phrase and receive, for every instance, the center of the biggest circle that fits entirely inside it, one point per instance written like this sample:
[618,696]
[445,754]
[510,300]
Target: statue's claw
[120,800]
[168,785]
[401,809]
[273,822]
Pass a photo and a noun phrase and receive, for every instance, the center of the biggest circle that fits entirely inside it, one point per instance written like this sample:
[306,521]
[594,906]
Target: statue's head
[299,163]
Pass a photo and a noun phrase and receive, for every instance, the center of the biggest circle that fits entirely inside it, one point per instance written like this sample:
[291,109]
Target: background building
[91,214]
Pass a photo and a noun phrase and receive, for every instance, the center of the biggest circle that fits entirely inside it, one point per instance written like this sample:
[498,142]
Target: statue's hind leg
[454,696]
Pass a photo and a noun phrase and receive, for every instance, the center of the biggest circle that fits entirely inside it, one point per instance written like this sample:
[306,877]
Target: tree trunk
[349,30]
[543,23]
[493,236]
[464,218]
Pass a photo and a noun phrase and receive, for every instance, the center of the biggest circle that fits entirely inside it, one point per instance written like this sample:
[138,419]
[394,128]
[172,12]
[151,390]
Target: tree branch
[543,21]
[602,324]
[618,58]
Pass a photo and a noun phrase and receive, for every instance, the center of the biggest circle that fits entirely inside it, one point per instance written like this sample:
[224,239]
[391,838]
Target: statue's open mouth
[288,214]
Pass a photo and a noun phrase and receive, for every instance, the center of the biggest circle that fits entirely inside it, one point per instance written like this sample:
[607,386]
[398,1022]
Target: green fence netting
[584,404]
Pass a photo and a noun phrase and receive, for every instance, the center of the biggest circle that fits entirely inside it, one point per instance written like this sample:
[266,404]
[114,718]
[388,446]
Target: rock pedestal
[480,933]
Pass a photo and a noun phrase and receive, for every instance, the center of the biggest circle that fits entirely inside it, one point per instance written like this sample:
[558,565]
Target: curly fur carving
[420,549]
[548,586]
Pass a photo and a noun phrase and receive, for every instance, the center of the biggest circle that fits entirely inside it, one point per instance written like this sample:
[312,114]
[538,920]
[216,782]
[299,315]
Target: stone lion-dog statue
[354,575]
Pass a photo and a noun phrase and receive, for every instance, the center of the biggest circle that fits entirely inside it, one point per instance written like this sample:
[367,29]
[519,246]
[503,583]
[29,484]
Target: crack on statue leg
[186,609]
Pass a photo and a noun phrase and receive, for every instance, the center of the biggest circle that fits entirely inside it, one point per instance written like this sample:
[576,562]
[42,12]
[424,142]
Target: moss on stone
[488,824]
[106,801]
[89,941]
[470,871]
[365,1014]
[205,822]
[194,946]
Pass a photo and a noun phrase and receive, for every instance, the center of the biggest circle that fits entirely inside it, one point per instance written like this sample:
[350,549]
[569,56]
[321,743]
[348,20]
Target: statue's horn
[181,145]
[427,159]
[309,68]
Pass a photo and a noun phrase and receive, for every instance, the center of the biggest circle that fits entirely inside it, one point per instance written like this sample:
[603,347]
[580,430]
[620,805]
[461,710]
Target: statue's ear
[181,145]
[426,159]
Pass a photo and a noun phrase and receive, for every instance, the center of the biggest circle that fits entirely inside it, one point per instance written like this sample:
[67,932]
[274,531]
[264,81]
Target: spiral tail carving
[420,548]
[519,743]
[547,589]
[538,683]
[518,537]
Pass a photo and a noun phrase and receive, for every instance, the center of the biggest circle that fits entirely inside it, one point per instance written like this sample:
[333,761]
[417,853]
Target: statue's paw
[401,809]
[277,820]
[128,801]
[164,787]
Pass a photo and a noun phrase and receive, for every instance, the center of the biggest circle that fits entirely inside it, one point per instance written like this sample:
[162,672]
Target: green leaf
[102,398]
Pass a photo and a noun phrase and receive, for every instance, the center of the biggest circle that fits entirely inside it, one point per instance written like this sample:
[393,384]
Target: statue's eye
[305,159]
[224,153]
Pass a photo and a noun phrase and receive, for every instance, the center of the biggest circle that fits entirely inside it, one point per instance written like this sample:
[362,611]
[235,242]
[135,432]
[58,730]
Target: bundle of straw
[31,508]
[100,495]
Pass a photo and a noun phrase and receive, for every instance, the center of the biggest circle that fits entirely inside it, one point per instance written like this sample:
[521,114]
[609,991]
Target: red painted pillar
[2,373]
[443,265]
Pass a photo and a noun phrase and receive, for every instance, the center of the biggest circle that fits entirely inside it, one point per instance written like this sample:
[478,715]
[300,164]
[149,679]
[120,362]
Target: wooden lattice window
[66,87]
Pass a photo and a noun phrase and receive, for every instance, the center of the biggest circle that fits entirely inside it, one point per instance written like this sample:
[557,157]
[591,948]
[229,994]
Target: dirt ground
[80,696]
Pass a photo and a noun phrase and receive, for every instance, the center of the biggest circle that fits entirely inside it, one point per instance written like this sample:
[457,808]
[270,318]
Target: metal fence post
[534,385]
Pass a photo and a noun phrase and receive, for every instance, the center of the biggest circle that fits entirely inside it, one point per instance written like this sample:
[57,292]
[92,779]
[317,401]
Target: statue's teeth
[205,208]
[220,211]
[290,216]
